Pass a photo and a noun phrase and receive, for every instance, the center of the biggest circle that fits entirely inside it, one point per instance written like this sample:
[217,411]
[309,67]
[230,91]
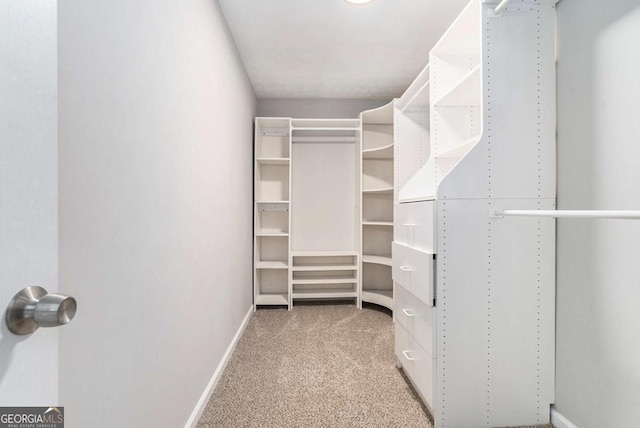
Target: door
[28,193]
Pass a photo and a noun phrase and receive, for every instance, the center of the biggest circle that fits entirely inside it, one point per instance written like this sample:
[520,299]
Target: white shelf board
[328,294]
[315,128]
[380,190]
[273,161]
[331,267]
[272,299]
[377,223]
[379,260]
[323,253]
[272,202]
[379,297]
[267,234]
[273,122]
[272,265]
[465,93]
[328,280]
[327,139]
[385,152]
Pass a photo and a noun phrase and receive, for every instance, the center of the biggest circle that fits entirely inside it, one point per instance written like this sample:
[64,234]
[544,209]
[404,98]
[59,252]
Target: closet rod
[601,214]
[501,6]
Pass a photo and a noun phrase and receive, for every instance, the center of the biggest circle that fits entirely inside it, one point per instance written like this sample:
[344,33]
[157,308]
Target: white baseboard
[559,421]
[208,391]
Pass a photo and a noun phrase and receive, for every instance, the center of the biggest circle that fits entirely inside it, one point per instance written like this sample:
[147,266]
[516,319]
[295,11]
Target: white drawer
[417,364]
[417,318]
[413,269]
[414,225]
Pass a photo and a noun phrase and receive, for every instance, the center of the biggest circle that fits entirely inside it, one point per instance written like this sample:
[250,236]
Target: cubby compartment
[272,182]
[377,208]
[271,287]
[376,241]
[272,249]
[272,219]
[272,140]
[377,175]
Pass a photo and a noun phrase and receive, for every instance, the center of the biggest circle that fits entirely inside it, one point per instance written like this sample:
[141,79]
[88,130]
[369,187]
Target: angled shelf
[464,93]
[380,260]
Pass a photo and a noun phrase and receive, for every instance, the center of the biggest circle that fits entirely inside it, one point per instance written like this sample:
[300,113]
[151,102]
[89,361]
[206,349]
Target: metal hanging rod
[598,214]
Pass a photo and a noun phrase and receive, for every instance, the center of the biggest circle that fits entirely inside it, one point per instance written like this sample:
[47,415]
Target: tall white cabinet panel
[271,211]
[491,137]
[377,198]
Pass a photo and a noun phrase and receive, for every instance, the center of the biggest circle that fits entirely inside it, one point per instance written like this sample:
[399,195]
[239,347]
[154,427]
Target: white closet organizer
[271,205]
[377,205]
[474,295]
[307,210]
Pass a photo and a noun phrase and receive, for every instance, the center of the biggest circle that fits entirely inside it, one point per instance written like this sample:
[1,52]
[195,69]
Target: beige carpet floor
[316,366]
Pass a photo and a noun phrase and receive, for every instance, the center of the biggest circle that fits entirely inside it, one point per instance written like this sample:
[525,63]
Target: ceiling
[333,49]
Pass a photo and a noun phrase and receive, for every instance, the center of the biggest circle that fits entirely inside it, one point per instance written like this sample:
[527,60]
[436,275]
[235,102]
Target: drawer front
[417,318]
[417,364]
[415,225]
[413,269]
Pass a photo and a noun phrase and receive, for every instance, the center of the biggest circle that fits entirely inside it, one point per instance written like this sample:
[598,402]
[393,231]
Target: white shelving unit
[474,295]
[376,285]
[271,205]
[324,274]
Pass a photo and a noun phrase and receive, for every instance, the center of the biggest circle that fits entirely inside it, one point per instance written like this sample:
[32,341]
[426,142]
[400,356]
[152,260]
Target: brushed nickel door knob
[33,307]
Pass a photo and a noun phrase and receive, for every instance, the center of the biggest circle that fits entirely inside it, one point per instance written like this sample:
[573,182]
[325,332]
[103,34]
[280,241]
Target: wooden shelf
[377,260]
[323,253]
[385,152]
[377,223]
[273,161]
[380,190]
[379,297]
[325,294]
[272,299]
[331,267]
[272,265]
[328,280]
[272,234]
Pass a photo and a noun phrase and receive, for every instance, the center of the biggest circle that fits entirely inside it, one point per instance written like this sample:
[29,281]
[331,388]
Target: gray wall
[598,287]
[155,206]
[315,108]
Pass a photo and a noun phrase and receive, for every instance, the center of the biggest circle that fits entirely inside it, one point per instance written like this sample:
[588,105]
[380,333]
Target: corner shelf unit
[377,166]
[474,296]
[271,211]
